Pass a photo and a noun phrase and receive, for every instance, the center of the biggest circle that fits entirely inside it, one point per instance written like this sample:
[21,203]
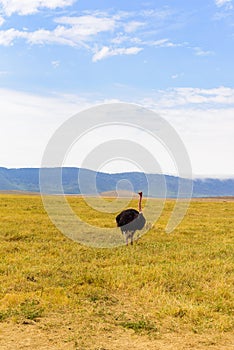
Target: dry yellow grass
[166,291]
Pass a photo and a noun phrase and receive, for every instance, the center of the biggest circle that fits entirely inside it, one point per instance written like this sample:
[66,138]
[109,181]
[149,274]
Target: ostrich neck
[139,204]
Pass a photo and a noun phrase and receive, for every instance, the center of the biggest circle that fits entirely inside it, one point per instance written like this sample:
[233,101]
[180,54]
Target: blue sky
[58,57]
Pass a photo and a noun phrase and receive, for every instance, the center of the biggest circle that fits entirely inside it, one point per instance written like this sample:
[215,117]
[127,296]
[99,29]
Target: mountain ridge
[27,179]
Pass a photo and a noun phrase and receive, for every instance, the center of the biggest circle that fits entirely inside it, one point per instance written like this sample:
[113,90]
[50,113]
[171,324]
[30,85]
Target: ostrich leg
[127,237]
[132,234]
[125,233]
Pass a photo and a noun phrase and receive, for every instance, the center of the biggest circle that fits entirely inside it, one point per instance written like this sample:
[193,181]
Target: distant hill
[121,193]
[27,179]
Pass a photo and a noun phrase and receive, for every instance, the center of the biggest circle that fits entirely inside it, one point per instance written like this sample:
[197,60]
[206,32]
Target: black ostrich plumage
[130,220]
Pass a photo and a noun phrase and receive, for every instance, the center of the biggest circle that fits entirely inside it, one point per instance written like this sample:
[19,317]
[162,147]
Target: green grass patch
[139,326]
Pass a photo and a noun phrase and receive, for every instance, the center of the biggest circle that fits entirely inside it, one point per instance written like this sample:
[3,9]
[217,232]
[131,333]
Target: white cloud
[88,25]
[75,31]
[221,3]
[26,7]
[160,42]
[55,63]
[108,52]
[165,42]
[177,75]
[203,119]
[221,97]
[59,35]
[8,36]
[133,26]
[2,20]
[158,14]
[120,38]
[199,52]
[207,135]
[42,36]
[28,121]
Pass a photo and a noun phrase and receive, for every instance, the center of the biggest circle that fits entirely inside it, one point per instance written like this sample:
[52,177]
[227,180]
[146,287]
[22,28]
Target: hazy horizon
[194,177]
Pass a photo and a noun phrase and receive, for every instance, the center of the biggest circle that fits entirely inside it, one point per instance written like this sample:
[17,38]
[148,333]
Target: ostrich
[130,220]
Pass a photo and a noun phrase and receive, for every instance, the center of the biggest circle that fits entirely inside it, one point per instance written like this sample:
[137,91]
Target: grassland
[165,292]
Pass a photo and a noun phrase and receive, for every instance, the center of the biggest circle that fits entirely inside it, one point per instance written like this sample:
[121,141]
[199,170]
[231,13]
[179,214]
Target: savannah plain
[167,291]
